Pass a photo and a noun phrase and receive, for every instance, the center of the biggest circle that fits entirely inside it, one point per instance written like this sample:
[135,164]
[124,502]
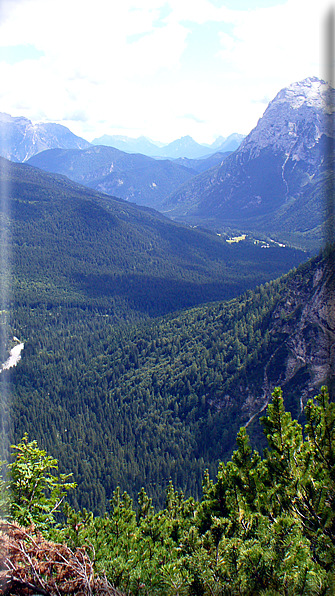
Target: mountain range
[133,405]
[275,184]
[183,147]
[67,240]
[133,177]
[277,179]
[20,138]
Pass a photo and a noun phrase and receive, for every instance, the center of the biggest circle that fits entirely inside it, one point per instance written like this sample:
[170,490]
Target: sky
[159,68]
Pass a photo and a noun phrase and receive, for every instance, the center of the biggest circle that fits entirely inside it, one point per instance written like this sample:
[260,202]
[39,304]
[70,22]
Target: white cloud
[200,11]
[112,65]
[279,40]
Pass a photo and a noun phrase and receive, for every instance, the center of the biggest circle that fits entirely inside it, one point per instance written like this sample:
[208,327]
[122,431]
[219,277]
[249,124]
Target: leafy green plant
[35,494]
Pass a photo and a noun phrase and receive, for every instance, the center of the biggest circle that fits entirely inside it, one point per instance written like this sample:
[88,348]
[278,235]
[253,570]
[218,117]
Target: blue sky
[159,68]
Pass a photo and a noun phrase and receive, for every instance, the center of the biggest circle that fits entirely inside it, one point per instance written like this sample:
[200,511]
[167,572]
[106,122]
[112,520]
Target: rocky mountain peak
[277,179]
[312,92]
[294,120]
[21,138]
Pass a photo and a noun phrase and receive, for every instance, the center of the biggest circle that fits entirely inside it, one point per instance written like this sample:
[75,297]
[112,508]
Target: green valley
[120,404]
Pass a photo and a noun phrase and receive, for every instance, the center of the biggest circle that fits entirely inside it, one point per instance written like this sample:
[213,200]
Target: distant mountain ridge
[275,184]
[185,147]
[132,177]
[128,145]
[20,139]
[277,178]
[80,243]
[203,163]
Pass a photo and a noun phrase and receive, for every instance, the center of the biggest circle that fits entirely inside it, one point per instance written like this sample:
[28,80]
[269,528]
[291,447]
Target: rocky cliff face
[293,122]
[277,166]
[301,355]
[305,322]
[20,138]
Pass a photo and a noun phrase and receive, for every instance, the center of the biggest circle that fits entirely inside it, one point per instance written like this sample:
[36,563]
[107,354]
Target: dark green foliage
[34,493]
[140,405]
[69,245]
[125,405]
[265,526]
[317,507]
[254,532]
[141,400]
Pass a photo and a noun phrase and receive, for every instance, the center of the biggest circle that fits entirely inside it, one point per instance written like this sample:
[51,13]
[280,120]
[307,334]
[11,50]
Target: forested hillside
[136,178]
[117,398]
[67,244]
[138,405]
[264,526]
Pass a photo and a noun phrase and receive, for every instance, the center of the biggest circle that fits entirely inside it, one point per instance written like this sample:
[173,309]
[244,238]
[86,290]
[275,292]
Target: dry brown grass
[29,565]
